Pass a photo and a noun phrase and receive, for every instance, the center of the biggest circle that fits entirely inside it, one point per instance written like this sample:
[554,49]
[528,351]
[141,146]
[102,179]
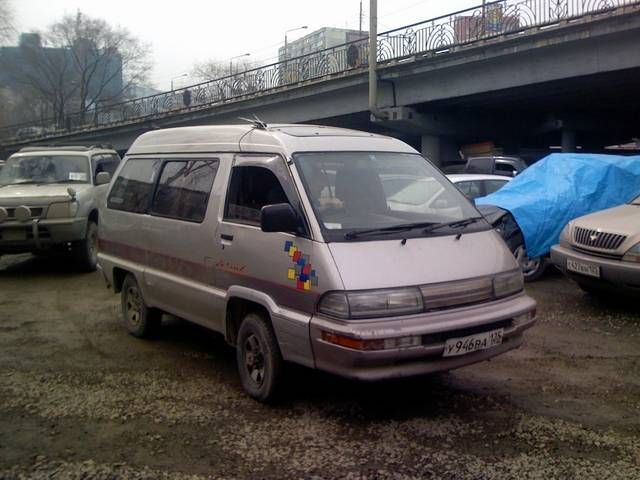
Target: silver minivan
[334,249]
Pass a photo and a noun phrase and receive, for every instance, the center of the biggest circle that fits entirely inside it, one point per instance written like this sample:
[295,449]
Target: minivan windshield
[40,169]
[382,195]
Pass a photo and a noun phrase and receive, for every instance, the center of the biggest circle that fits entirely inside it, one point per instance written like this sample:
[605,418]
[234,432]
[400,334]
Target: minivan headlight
[633,254]
[372,303]
[508,283]
[62,210]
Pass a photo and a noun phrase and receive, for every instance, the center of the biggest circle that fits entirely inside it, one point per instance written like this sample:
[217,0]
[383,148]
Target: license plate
[583,268]
[14,234]
[472,343]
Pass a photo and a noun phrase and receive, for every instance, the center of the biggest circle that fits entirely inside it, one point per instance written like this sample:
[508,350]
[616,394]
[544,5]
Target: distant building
[28,62]
[325,37]
[494,22]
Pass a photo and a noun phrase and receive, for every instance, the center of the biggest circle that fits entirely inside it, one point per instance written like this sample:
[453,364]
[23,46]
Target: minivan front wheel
[258,357]
[138,319]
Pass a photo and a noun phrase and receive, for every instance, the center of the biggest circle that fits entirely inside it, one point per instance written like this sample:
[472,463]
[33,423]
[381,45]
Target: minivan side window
[132,188]
[250,189]
[183,189]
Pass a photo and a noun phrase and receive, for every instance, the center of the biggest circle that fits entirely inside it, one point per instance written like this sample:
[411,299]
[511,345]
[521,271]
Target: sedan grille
[595,239]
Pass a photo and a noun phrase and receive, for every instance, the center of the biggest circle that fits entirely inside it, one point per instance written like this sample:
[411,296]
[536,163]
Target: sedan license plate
[583,268]
[472,343]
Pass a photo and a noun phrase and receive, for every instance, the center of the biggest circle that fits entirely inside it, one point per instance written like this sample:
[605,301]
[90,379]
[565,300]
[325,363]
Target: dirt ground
[81,399]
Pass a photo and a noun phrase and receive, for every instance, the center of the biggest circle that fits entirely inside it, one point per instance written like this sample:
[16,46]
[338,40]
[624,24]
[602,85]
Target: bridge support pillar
[430,148]
[568,141]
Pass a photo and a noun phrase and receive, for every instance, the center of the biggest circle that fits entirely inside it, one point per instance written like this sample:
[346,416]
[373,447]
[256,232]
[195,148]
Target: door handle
[225,240]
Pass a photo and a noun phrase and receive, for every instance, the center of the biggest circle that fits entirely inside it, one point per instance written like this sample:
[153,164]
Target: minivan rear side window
[250,189]
[183,189]
[132,188]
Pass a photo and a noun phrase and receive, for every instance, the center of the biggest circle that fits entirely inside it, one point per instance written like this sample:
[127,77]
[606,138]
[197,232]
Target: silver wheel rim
[133,307]
[254,359]
[528,265]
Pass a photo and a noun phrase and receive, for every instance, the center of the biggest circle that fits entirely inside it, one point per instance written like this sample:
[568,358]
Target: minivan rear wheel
[140,320]
[258,357]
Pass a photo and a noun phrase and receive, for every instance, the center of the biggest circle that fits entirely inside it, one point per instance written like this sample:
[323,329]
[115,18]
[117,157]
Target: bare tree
[213,69]
[81,63]
[6,22]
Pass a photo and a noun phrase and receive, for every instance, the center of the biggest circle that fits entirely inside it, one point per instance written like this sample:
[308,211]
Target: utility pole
[360,18]
[373,60]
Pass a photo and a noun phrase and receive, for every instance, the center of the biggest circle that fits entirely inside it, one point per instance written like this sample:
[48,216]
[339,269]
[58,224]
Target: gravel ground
[81,399]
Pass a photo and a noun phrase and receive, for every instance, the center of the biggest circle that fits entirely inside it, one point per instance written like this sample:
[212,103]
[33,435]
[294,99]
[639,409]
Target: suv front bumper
[40,234]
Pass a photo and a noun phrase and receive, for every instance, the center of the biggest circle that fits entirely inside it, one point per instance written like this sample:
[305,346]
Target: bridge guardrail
[462,28]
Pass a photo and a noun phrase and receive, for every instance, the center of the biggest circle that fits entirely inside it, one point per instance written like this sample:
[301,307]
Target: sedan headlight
[62,210]
[372,303]
[565,235]
[633,254]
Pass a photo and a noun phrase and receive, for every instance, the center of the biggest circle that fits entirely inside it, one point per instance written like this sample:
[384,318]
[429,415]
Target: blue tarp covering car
[561,187]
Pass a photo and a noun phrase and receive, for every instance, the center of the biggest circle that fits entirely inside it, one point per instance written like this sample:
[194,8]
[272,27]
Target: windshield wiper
[391,229]
[456,223]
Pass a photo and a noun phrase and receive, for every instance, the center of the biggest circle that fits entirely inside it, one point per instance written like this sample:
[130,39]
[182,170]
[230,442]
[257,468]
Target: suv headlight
[62,210]
[372,303]
[633,254]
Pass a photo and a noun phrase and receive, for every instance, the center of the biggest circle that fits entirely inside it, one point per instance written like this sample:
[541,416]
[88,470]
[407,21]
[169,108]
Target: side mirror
[103,178]
[279,218]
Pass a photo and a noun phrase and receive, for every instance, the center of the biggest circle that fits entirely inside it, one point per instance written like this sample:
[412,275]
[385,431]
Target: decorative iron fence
[437,35]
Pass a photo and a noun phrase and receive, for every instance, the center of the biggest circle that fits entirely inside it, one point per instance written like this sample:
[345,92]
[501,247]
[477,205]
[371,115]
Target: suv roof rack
[73,148]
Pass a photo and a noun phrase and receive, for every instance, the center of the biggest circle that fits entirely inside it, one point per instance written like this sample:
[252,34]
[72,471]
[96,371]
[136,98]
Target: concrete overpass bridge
[524,74]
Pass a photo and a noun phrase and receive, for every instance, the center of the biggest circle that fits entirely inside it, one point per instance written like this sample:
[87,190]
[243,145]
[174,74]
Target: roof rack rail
[72,148]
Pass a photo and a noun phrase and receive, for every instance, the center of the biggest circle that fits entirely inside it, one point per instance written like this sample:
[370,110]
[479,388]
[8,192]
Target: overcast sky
[184,32]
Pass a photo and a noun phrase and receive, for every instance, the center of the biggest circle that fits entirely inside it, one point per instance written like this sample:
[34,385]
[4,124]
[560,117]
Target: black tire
[86,251]
[258,356]
[139,320]
[532,268]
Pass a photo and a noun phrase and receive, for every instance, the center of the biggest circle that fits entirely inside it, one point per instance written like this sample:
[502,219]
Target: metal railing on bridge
[433,36]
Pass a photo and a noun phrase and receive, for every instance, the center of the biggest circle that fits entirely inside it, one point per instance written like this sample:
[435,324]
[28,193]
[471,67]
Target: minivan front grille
[596,239]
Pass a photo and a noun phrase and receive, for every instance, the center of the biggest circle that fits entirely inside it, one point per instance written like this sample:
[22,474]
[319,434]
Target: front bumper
[40,234]
[434,328]
[612,271]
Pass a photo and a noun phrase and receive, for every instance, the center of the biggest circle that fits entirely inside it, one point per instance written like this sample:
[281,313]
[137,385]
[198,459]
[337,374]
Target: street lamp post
[233,58]
[286,43]
[176,77]
[286,51]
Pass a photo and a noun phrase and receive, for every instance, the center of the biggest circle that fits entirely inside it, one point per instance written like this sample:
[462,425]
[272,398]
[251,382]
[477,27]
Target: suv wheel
[86,251]
[532,268]
[140,320]
[258,357]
